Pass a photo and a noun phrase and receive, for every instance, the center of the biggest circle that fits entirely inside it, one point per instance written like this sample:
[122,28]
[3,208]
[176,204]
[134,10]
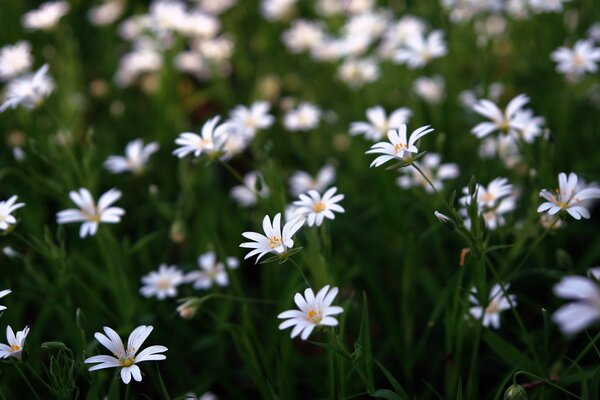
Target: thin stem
[27,382]
[235,174]
[301,272]
[532,247]
[163,388]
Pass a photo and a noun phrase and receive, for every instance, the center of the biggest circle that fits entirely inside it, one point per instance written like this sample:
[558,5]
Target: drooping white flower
[503,121]
[46,16]
[28,91]
[15,343]
[253,118]
[303,118]
[493,201]
[585,308]
[315,208]
[15,60]
[578,61]
[568,198]
[210,272]
[247,195]
[136,157]
[90,213]
[432,167]
[397,147]
[162,283]
[209,142]
[419,49]
[125,357]
[7,207]
[379,124]
[498,301]
[274,240]
[314,310]
[301,181]
[2,294]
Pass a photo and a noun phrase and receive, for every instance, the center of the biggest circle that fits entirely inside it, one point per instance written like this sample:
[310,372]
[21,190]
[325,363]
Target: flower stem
[163,388]
[301,272]
[27,382]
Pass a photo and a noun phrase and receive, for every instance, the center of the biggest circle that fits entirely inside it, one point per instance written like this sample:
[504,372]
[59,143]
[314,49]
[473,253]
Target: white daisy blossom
[46,16]
[528,126]
[378,123]
[302,35]
[435,171]
[253,118]
[397,147]
[568,198]
[247,195]
[15,343]
[493,201]
[274,240]
[419,50]
[313,311]
[90,213]
[2,294]
[125,357]
[498,302]
[28,91]
[500,120]
[136,157]
[211,272]
[316,208]
[579,60]
[210,141]
[585,308]
[106,13]
[7,207]
[301,181]
[356,73]
[430,89]
[14,60]
[303,118]
[276,10]
[162,283]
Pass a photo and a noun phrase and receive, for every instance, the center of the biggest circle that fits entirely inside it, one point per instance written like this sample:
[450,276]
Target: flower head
[46,16]
[575,62]
[500,120]
[274,240]
[28,91]
[210,272]
[90,213]
[493,201]
[15,60]
[125,357]
[585,308]
[247,194]
[252,118]
[209,142]
[498,301]
[301,181]
[420,49]
[379,124]
[136,157]
[305,117]
[313,311]
[2,294]
[435,171]
[7,207]
[398,147]
[15,343]
[162,283]
[316,208]
[568,198]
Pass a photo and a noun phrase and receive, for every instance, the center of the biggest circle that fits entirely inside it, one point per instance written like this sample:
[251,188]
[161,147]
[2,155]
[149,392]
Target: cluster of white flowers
[15,345]
[466,10]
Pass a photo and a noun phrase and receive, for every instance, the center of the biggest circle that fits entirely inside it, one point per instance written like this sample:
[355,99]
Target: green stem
[27,382]
[163,388]
[301,272]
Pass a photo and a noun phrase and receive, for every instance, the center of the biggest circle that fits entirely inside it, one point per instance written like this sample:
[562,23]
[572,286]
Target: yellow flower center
[319,207]
[14,348]
[164,283]
[126,362]
[486,197]
[399,146]
[493,307]
[274,242]
[314,316]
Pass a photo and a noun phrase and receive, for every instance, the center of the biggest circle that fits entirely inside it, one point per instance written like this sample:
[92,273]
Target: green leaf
[395,384]
[388,394]
[365,357]
[506,351]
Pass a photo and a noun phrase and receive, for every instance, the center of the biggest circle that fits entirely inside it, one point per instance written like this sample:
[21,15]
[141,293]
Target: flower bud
[515,392]
[445,220]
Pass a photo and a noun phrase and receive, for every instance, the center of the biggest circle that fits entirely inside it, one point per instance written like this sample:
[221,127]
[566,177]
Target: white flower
[125,357]
[15,343]
[584,310]
[247,195]
[211,142]
[28,91]
[493,201]
[15,60]
[301,181]
[136,157]
[316,208]
[433,169]
[303,35]
[90,213]
[398,147]
[253,118]
[144,59]
[210,272]
[162,283]
[358,72]
[305,117]
[379,124]
[528,126]
[313,311]
[419,50]
[429,89]
[498,302]
[575,62]
[46,16]
[500,120]
[106,13]
[274,240]
[7,207]
[568,198]
[2,294]
[277,10]
[504,146]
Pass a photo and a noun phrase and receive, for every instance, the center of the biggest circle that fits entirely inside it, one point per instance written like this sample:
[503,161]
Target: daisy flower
[578,61]
[274,240]
[301,181]
[15,60]
[419,49]
[315,208]
[253,118]
[7,207]
[90,213]
[433,169]
[136,157]
[162,283]
[28,91]
[303,118]
[585,308]
[398,147]
[302,35]
[498,302]
[568,198]
[209,142]
[503,121]
[46,16]
[210,272]
[313,311]
[379,124]
[125,357]
[247,195]
[15,343]
[2,294]
[493,201]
